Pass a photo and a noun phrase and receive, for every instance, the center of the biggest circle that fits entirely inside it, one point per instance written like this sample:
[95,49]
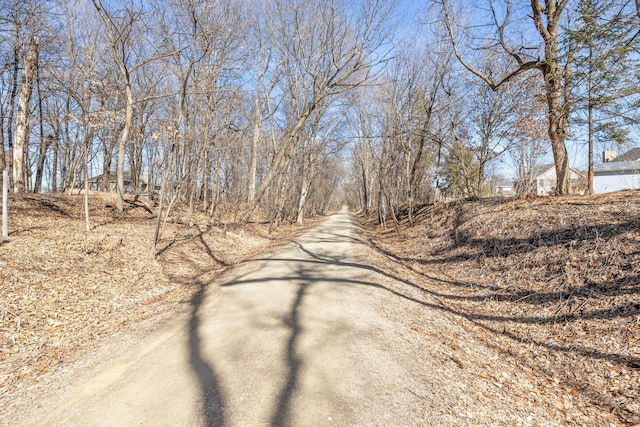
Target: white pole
[5,209]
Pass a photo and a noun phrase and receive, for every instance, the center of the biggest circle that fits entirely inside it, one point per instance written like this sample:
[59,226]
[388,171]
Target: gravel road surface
[310,336]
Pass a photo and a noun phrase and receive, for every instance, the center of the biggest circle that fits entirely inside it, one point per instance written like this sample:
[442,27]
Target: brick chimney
[607,156]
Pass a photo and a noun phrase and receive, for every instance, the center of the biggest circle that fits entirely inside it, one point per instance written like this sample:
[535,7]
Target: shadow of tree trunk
[282,412]
[212,400]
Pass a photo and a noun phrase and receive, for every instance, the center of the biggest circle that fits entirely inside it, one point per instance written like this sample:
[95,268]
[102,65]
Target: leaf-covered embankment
[552,282]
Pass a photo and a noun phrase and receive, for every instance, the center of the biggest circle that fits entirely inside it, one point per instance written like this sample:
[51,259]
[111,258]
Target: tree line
[293,107]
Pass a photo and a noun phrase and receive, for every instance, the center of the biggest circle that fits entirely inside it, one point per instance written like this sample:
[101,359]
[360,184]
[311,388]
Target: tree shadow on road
[317,259]
[496,324]
[190,273]
[281,415]
[212,399]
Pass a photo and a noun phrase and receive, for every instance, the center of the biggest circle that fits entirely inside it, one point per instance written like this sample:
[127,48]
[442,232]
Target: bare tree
[493,120]
[400,127]
[313,150]
[120,27]
[119,37]
[362,164]
[546,21]
[262,52]
[20,165]
[324,50]
[15,14]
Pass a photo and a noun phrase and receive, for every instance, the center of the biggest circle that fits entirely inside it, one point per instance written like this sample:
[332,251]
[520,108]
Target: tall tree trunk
[365,182]
[590,167]
[136,170]
[156,232]
[553,79]
[166,175]
[557,126]
[45,142]
[590,123]
[22,119]
[303,201]
[3,163]
[257,125]
[304,192]
[86,185]
[14,93]
[107,155]
[42,155]
[206,177]
[67,158]
[54,166]
[128,121]
[414,176]
[253,162]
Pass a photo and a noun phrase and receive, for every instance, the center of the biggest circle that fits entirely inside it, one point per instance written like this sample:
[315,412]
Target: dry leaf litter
[64,290]
[551,284]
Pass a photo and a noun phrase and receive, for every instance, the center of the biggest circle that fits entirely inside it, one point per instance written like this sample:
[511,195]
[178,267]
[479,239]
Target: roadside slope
[551,283]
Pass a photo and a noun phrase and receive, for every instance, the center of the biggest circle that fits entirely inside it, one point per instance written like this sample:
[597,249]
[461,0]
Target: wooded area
[291,108]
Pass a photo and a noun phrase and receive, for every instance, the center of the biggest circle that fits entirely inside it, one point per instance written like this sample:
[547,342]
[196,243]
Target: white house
[544,178]
[96,182]
[502,186]
[620,173]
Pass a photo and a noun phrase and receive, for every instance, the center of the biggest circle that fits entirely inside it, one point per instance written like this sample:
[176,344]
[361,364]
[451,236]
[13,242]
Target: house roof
[617,167]
[536,171]
[630,156]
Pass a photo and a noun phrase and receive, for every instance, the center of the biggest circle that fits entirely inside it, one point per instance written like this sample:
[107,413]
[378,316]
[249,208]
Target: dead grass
[553,283]
[64,289]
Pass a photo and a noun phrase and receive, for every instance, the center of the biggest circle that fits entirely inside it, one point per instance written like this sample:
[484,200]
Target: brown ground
[553,283]
[528,303]
[63,290]
[323,332]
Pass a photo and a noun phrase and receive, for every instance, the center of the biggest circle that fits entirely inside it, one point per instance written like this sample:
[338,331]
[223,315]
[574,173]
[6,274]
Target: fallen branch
[140,201]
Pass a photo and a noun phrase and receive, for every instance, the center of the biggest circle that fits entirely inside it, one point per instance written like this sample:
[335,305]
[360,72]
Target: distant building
[542,180]
[618,173]
[502,186]
[109,183]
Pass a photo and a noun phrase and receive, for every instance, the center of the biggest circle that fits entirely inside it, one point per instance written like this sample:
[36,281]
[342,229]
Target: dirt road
[310,336]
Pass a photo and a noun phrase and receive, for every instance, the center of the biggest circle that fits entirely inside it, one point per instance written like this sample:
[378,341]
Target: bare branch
[501,27]
[531,65]
[447,21]
[523,66]
[158,56]
[537,19]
